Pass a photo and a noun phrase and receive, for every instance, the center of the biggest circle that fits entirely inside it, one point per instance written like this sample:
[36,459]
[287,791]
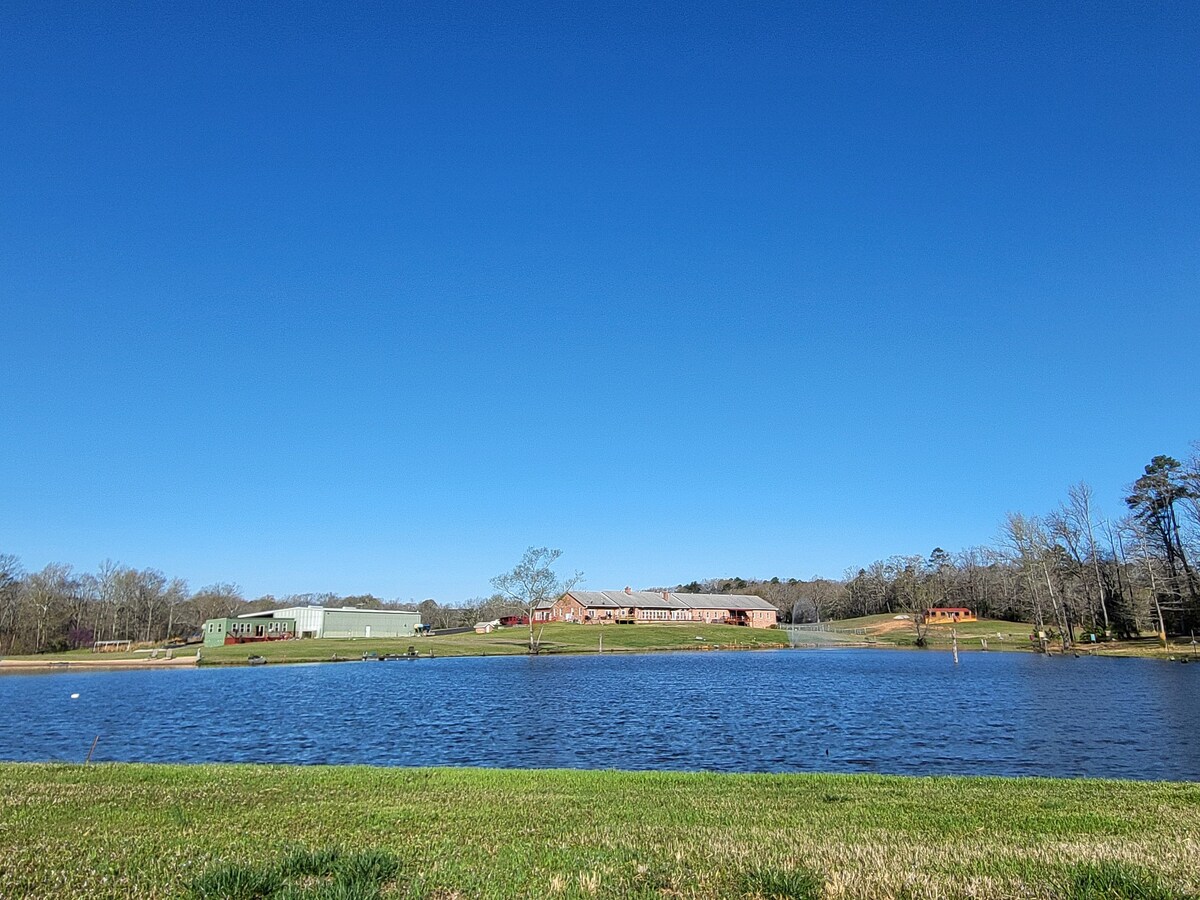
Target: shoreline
[405,772]
[567,639]
[28,665]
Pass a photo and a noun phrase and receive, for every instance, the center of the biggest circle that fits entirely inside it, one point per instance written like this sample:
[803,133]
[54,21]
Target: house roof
[290,611]
[665,600]
[598,599]
[725,601]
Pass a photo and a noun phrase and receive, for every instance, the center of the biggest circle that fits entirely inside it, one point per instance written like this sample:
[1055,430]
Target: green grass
[1108,879]
[783,884]
[302,874]
[887,631]
[557,637]
[116,831]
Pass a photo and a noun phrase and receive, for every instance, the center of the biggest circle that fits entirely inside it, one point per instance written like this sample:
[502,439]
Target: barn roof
[725,601]
[599,599]
[671,600]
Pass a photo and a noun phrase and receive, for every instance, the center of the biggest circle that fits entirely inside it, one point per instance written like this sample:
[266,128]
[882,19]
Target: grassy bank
[997,634]
[112,831]
[888,631]
[559,637]
[555,638]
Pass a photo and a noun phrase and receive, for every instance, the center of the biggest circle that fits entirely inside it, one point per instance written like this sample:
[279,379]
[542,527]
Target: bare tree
[818,598]
[1191,475]
[175,596]
[532,581]
[911,588]
[868,590]
[48,596]
[216,601]
[1028,548]
[11,576]
[1157,594]
[1071,524]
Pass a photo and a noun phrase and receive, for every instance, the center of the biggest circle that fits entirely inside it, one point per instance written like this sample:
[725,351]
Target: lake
[902,712]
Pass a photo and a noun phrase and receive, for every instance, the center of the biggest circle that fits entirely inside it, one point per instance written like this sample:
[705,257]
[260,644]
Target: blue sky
[371,299]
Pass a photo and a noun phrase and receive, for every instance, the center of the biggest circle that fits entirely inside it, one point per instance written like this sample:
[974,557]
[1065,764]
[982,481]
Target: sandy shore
[100,663]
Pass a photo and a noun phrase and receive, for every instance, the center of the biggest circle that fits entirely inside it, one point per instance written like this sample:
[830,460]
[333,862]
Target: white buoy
[74,696]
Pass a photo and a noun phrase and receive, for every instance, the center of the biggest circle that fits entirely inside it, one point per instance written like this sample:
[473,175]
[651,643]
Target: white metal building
[346,621]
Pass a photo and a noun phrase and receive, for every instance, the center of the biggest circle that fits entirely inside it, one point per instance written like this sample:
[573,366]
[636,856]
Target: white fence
[821,626]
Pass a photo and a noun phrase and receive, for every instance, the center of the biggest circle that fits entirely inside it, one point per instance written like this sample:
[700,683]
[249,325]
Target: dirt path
[178,662]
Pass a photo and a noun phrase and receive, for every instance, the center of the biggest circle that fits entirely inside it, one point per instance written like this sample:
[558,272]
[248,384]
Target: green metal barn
[248,629]
[311,622]
[347,622]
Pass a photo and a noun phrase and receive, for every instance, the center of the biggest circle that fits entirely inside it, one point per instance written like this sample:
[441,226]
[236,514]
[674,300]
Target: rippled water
[781,711]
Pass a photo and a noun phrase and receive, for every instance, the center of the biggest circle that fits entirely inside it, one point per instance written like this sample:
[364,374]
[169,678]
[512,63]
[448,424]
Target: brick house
[657,607]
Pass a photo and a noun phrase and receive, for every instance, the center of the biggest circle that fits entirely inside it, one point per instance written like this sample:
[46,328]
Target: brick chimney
[666,595]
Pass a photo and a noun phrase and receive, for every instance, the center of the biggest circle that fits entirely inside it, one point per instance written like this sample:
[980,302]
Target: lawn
[117,831]
[998,633]
[555,638]
[886,630]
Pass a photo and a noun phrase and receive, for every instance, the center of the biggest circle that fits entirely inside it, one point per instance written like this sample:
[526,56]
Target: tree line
[1070,569]
[59,608]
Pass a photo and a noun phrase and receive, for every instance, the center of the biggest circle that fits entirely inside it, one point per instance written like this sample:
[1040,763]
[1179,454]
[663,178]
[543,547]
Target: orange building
[948,615]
